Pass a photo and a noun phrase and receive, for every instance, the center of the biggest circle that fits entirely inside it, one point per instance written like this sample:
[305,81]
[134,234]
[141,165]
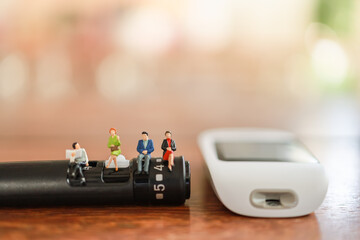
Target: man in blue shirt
[145,147]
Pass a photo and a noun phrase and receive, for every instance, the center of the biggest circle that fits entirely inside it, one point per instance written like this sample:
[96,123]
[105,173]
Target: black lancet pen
[52,183]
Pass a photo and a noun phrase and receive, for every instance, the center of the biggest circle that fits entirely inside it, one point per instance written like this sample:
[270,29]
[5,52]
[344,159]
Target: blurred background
[77,68]
[70,70]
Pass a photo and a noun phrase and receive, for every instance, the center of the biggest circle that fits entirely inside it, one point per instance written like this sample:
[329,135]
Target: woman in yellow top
[114,145]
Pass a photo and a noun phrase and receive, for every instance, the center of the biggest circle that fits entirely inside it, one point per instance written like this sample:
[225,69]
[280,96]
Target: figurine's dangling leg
[170,160]
[110,160]
[116,166]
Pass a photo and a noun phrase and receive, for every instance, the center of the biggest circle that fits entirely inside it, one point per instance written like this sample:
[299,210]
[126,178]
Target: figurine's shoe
[137,172]
[146,172]
[170,169]
[82,182]
[73,174]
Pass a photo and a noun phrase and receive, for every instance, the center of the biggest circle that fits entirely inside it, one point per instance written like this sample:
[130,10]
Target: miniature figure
[168,145]
[145,147]
[81,159]
[114,145]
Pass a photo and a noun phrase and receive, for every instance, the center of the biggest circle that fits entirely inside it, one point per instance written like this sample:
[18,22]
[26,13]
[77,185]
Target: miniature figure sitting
[121,162]
[114,145]
[169,147]
[145,147]
[80,158]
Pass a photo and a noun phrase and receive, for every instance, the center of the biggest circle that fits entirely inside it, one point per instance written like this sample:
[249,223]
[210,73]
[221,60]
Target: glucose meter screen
[291,151]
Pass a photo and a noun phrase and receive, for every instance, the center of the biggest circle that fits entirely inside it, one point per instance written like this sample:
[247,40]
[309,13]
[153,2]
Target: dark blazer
[150,147]
[165,145]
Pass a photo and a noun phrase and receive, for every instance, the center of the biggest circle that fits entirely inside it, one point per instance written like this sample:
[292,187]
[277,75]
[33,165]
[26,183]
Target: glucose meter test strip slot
[262,172]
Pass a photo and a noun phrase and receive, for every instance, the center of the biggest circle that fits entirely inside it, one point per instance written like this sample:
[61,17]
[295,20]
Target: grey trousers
[78,170]
[146,158]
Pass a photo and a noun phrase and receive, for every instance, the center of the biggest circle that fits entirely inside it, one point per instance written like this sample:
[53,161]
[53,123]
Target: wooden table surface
[201,217]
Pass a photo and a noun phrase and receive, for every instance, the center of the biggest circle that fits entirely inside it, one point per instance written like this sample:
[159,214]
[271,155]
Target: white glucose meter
[262,172]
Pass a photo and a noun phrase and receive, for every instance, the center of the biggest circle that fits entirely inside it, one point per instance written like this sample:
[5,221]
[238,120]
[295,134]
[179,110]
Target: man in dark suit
[145,147]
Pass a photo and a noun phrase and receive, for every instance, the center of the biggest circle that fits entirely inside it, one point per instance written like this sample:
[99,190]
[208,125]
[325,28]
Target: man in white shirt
[81,161]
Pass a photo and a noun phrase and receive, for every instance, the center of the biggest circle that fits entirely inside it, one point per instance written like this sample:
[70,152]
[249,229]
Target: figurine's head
[145,136]
[76,145]
[168,134]
[112,131]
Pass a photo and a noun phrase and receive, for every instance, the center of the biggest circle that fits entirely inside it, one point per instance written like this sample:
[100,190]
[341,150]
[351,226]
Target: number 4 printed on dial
[159,167]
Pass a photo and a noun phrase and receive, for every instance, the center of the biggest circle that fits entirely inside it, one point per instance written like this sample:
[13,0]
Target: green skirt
[116,153]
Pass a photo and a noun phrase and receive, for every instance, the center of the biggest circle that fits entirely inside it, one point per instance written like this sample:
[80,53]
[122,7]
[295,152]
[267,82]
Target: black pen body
[51,183]
[47,182]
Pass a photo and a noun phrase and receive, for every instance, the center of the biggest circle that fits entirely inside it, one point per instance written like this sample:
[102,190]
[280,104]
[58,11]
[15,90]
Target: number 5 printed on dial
[159,187]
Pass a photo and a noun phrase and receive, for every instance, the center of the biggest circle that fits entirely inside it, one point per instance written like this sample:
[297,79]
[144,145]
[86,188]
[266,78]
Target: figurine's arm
[173,145]
[118,138]
[109,143]
[150,146]
[86,157]
[139,148]
[163,145]
[72,157]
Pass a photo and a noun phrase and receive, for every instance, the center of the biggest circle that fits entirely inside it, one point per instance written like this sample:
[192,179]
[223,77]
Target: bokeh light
[147,32]
[117,77]
[208,24]
[14,76]
[202,54]
[330,62]
[53,75]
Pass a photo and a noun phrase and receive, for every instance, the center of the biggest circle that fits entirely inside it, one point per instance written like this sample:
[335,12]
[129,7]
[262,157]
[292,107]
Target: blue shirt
[149,146]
